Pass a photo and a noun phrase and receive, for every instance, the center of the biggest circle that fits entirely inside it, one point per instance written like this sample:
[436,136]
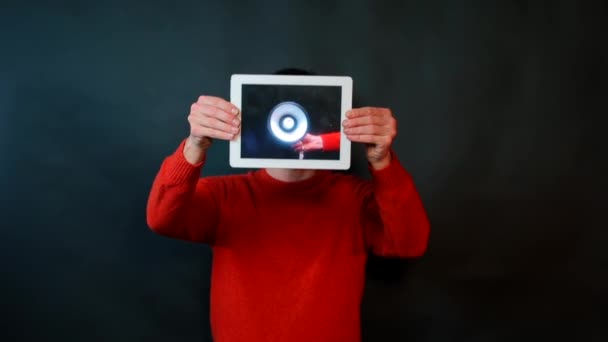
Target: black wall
[499,106]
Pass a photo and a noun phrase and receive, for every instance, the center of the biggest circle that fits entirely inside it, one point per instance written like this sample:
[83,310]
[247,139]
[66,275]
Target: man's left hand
[375,127]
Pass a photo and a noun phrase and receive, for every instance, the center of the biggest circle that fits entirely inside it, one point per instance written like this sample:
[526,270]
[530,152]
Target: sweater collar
[317,178]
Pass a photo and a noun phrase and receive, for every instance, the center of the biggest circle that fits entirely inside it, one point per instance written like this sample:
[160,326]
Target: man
[289,246]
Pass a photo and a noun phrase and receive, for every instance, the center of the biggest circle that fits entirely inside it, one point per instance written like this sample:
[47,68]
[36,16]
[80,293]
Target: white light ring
[297,112]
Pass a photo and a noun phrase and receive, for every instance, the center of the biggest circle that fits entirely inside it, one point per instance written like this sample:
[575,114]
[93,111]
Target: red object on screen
[331,141]
[288,258]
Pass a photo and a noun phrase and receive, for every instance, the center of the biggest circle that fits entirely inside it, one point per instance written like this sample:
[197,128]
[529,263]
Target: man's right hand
[210,118]
[309,143]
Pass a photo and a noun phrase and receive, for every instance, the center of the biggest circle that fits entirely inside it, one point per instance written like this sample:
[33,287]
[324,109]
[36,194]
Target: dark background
[322,104]
[500,107]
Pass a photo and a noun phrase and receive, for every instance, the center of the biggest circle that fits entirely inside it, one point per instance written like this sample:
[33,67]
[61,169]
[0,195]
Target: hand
[213,117]
[210,118]
[309,143]
[375,127]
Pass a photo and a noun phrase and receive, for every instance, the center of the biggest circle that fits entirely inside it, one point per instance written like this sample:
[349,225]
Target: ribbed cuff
[179,170]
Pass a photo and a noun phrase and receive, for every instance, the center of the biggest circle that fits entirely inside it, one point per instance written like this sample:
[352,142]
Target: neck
[290,175]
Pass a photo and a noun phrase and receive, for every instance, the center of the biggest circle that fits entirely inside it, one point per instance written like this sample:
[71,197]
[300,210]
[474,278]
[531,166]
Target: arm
[393,218]
[394,221]
[181,205]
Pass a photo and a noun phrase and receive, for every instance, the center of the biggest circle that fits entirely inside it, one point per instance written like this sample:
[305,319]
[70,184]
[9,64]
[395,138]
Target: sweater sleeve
[181,204]
[331,141]
[394,221]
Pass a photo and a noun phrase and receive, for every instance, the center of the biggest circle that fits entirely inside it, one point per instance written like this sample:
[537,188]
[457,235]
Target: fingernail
[234,130]
[347,130]
[345,123]
[236,121]
[234,110]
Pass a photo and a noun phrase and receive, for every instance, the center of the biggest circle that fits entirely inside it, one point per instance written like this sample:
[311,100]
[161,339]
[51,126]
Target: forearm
[176,195]
[404,226]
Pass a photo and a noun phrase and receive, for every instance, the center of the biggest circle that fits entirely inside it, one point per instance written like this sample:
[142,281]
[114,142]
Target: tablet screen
[276,117]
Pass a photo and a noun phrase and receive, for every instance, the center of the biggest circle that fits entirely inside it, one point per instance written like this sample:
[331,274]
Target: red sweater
[331,141]
[288,258]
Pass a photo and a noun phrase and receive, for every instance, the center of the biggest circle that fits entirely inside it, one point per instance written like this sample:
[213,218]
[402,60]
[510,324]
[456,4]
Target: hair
[294,71]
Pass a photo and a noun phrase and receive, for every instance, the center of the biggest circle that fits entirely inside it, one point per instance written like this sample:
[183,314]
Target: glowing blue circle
[288,122]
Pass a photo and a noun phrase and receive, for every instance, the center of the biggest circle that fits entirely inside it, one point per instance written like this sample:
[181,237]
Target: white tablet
[292,122]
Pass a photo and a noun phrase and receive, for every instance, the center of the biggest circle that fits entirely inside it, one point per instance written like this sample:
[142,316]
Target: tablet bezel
[344,82]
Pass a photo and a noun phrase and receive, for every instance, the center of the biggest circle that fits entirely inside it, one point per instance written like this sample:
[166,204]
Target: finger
[218,102]
[303,146]
[210,122]
[369,129]
[212,133]
[357,112]
[369,139]
[366,120]
[215,112]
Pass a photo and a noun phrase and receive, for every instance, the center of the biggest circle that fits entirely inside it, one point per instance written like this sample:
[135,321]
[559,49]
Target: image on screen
[278,120]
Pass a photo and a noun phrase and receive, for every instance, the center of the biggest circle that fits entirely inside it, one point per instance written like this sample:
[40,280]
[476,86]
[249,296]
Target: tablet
[292,122]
